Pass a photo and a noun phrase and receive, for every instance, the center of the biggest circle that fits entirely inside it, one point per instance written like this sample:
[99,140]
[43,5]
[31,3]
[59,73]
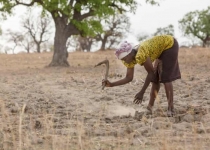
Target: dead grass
[64,108]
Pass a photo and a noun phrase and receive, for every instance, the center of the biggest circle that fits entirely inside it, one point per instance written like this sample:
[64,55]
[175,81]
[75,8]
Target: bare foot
[149,108]
[170,113]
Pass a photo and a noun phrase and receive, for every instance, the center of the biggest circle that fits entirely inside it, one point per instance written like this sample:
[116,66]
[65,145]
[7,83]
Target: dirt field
[65,108]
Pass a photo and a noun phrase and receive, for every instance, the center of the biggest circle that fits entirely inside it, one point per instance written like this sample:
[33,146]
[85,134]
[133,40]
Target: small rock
[188,118]
[128,130]
[208,130]
[145,131]
[161,125]
[197,118]
[39,141]
[107,98]
[98,132]
[108,120]
[38,125]
[183,126]
[206,118]
[200,131]
[191,78]
[185,96]
[138,115]
[14,110]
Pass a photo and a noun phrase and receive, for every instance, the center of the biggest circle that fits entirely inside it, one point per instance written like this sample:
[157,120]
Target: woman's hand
[138,98]
[107,83]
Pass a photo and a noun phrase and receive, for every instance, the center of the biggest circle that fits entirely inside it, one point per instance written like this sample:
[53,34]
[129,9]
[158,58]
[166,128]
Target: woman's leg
[153,94]
[169,94]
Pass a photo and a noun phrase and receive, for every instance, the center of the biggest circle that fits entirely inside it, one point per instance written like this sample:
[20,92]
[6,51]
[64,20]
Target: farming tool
[106,62]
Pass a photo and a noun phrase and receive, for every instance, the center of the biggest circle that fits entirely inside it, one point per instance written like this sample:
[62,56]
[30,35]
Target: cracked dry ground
[65,108]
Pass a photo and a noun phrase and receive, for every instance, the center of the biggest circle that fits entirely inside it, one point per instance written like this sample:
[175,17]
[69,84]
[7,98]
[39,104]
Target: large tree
[197,24]
[70,18]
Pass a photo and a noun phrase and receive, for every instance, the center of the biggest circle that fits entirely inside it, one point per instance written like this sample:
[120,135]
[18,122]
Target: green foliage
[6,8]
[88,27]
[77,12]
[197,24]
[169,30]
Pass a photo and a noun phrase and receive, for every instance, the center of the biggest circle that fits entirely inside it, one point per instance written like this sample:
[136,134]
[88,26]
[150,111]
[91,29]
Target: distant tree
[85,43]
[16,38]
[1,46]
[38,27]
[27,43]
[114,28]
[7,49]
[70,18]
[142,37]
[197,24]
[0,30]
[169,30]
[81,43]
[73,44]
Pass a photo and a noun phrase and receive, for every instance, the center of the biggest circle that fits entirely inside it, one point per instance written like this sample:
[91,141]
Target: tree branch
[71,3]
[86,15]
[116,6]
[30,4]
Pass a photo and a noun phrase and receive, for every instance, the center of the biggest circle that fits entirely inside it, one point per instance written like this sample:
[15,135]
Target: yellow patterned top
[151,48]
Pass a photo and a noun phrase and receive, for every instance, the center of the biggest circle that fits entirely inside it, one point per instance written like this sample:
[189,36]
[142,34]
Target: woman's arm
[150,73]
[128,78]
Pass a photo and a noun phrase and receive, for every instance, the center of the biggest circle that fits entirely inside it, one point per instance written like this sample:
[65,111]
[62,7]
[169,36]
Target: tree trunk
[205,41]
[60,50]
[90,42]
[203,44]
[103,45]
[38,48]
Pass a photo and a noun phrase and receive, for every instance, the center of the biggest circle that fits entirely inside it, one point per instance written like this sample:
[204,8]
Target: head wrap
[124,49]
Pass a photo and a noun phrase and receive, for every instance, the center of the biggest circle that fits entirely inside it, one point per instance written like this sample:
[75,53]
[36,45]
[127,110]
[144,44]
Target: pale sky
[146,19]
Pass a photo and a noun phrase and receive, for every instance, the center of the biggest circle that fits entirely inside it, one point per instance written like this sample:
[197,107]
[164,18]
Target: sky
[146,19]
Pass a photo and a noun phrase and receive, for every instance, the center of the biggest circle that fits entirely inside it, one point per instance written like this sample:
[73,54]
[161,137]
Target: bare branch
[37,29]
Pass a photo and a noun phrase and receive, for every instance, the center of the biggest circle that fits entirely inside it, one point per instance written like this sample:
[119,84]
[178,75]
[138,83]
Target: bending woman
[163,50]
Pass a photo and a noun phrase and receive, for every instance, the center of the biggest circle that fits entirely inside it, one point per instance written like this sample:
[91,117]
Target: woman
[161,49]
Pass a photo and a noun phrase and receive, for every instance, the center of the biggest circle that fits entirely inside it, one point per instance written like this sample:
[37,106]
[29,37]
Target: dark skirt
[167,66]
